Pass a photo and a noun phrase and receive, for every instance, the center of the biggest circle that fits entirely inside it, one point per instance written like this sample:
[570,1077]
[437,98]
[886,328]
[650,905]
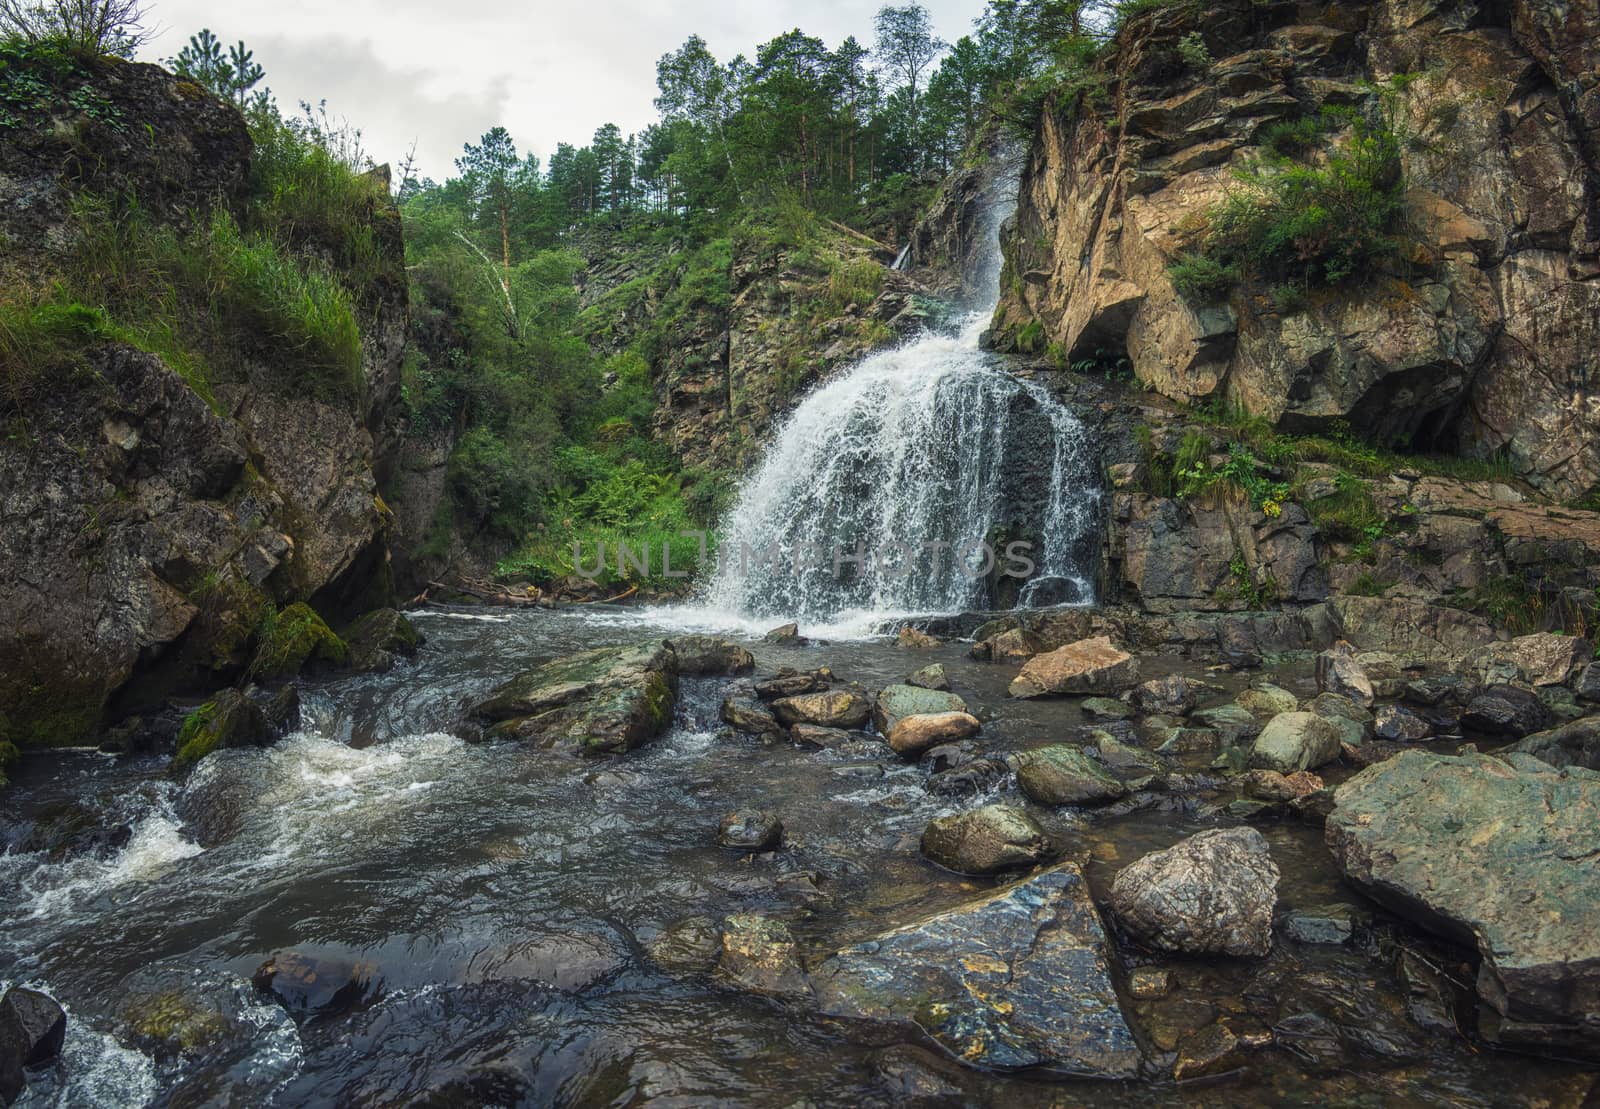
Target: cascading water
[902,487]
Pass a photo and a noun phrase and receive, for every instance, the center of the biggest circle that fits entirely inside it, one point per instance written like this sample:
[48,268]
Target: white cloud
[443,73]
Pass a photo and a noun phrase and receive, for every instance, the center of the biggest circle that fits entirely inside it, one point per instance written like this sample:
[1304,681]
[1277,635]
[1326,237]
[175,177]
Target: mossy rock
[232,720]
[170,1023]
[50,700]
[377,639]
[294,639]
[8,755]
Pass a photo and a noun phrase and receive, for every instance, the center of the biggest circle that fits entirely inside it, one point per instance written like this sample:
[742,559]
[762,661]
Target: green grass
[854,281]
[1348,514]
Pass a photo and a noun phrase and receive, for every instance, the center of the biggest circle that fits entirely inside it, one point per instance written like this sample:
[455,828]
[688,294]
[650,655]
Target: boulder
[1011,645]
[1173,694]
[745,714]
[379,639]
[1295,741]
[1213,893]
[1493,855]
[1266,700]
[930,677]
[911,735]
[1544,658]
[33,1027]
[1087,666]
[1339,672]
[985,841]
[1574,744]
[1587,687]
[1019,978]
[750,830]
[907,700]
[688,946]
[1269,785]
[1063,775]
[1398,724]
[229,720]
[701,655]
[1104,708]
[832,708]
[759,955]
[1323,924]
[1234,723]
[915,638]
[1506,711]
[597,702]
[785,635]
[814,735]
[306,983]
[789,682]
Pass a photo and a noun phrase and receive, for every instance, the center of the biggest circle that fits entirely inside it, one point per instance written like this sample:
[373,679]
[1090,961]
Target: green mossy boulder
[292,640]
[231,720]
[379,639]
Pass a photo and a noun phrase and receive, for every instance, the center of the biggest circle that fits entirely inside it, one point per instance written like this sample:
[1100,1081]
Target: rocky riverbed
[584,857]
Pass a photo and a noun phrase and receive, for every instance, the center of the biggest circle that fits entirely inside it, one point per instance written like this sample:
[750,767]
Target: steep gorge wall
[1484,338]
[146,526]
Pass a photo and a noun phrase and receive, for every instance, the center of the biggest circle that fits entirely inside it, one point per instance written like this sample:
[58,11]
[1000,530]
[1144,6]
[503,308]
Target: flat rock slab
[1504,857]
[592,703]
[1087,666]
[1017,979]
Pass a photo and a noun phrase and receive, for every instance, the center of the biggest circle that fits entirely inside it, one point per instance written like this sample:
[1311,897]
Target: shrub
[1201,277]
[1192,49]
[854,281]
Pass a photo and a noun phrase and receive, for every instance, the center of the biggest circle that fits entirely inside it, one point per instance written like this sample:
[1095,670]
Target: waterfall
[901,259]
[925,480]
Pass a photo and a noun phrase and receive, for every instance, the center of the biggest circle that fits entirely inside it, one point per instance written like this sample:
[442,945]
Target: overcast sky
[444,71]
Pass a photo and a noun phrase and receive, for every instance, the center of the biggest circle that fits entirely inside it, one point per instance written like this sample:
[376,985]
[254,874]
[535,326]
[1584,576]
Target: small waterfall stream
[925,480]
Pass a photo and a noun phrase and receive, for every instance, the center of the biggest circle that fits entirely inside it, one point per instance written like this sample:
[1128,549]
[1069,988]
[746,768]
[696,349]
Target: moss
[47,700]
[292,639]
[174,1023]
[201,734]
[8,755]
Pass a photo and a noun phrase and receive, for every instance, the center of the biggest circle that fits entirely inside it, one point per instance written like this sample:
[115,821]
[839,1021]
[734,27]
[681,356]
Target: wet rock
[1574,744]
[915,639]
[1190,741]
[687,946]
[1120,756]
[1267,700]
[597,702]
[1587,687]
[282,709]
[759,955]
[229,720]
[833,708]
[907,700]
[975,776]
[1063,775]
[1011,645]
[1269,785]
[569,961]
[379,639]
[699,655]
[70,828]
[1234,723]
[33,1028]
[930,677]
[1104,708]
[1506,711]
[1335,707]
[1493,855]
[314,984]
[1174,694]
[1087,666]
[1324,924]
[1339,672]
[744,714]
[1212,1050]
[948,756]
[1148,983]
[1398,724]
[179,1022]
[1019,978]
[785,635]
[1213,893]
[911,735]
[985,841]
[909,1076]
[791,683]
[1544,658]
[814,735]
[750,830]
[1295,741]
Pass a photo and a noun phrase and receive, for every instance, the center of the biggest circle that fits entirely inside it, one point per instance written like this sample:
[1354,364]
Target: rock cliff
[1478,335]
[152,516]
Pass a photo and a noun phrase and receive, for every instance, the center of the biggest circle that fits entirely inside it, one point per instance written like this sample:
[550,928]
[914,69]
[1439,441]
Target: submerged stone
[1018,979]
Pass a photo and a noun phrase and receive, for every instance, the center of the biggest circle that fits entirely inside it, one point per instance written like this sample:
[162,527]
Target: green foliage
[1347,515]
[1257,592]
[1366,585]
[1301,224]
[1192,49]
[198,737]
[44,77]
[290,640]
[1030,337]
[854,282]
[1241,476]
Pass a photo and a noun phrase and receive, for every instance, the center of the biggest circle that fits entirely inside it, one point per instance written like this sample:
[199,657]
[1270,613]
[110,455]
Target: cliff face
[1481,336]
[148,520]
